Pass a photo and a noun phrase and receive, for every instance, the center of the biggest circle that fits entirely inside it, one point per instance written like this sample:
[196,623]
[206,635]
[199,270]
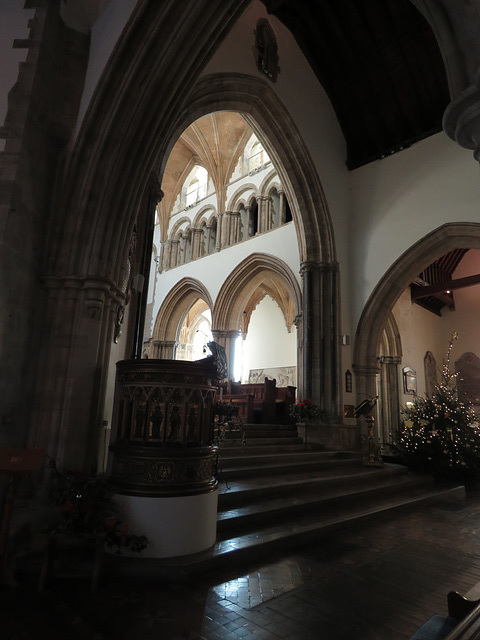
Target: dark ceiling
[433,289]
[380,65]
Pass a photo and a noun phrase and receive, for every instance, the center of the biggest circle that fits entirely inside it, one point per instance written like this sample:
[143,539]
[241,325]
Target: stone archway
[274,127]
[380,304]
[172,312]
[241,286]
[116,165]
[272,124]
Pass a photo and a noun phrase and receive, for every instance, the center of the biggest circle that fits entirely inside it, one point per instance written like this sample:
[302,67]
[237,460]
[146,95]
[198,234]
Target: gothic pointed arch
[242,283]
[268,182]
[175,305]
[125,139]
[239,196]
[391,344]
[204,214]
[373,320]
[274,127]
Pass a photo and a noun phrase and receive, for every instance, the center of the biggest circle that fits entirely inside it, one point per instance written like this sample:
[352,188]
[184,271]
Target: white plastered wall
[400,199]
[268,343]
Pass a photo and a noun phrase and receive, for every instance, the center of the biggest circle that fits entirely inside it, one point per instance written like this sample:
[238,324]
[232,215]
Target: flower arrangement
[86,509]
[305,410]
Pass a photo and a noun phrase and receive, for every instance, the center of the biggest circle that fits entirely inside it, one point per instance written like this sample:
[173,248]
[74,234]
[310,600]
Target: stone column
[208,240]
[282,214]
[298,322]
[321,343]
[164,349]
[218,244]
[196,233]
[389,398]
[261,215]
[231,341]
[268,214]
[227,222]
[249,231]
[175,253]
[366,385]
[75,350]
[163,255]
[234,226]
[167,260]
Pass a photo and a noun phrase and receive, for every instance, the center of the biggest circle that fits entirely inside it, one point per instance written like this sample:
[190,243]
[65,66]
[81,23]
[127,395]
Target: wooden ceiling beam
[448,285]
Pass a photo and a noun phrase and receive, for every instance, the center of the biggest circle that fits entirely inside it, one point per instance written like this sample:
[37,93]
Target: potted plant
[86,510]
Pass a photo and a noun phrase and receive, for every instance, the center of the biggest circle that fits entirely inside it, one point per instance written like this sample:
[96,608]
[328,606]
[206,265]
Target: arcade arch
[377,331]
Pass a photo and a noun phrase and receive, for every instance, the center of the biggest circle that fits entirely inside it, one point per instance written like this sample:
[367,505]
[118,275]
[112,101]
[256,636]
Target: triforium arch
[274,127]
[381,302]
[241,286]
[172,313]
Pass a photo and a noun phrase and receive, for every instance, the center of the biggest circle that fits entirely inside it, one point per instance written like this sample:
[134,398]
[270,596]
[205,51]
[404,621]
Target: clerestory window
[196,185]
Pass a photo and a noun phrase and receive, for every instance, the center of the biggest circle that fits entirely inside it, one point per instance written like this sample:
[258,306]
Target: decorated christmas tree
[440,433]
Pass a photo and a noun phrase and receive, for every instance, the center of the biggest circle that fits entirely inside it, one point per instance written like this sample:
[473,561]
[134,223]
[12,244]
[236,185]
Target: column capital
[461,120]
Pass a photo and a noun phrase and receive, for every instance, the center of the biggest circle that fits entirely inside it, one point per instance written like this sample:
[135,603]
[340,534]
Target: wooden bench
[263,403]
[462,622]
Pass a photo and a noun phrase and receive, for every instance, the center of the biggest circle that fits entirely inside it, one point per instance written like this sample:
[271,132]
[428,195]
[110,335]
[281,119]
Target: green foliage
[305,410]
[84,502]
[440,433]
[86,508]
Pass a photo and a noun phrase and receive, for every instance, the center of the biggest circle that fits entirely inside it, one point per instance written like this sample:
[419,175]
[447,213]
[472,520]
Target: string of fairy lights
[440,432]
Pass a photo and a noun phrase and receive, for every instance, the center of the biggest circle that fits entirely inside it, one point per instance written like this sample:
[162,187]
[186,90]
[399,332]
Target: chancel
[223,225]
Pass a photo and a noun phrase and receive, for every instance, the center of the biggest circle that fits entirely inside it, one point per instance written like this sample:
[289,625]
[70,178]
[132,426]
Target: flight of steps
[276,494]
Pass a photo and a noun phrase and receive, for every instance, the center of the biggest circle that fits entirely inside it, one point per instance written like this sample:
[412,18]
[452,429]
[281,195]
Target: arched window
[196,185]
[258,156]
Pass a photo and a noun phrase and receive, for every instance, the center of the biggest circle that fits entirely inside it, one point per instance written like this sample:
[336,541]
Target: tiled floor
[378,582]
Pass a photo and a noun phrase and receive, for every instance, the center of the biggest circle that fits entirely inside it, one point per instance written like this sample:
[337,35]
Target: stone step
[239,457]
[288,507]
[270,431]
[264,441]
[302,462]
[285,535]
[255,546]
[235,448]
[250,490]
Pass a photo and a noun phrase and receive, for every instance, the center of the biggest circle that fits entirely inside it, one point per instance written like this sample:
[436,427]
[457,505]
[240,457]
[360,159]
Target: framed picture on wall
[409,381]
